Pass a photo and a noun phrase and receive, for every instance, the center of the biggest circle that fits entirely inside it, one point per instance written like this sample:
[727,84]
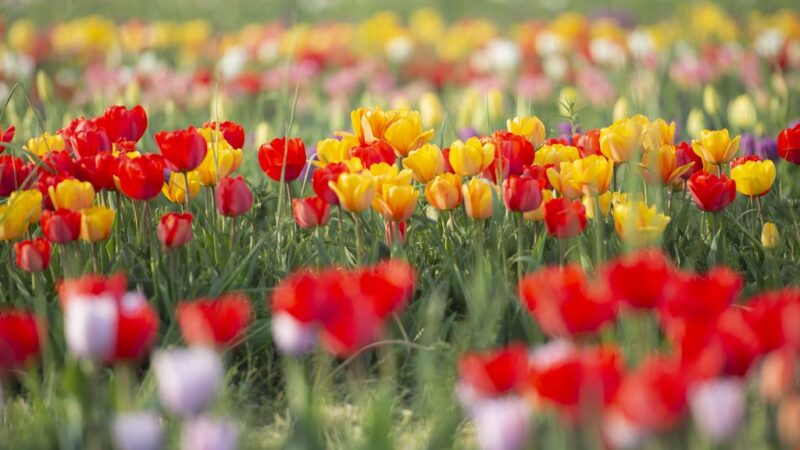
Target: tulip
[90,325]
[232,132]
[137,328]
[587,176]
[444,191]
[471,157]
[292,337]
[96,223]
[712,193]
[657,133]
[620,140]
[376,152]
[425,162]
[17,214]
[521,193]
[370,124]
[209,434]
[335,150]
[310,212]
[651,270]
[513,153]
[564,218]
[718,407]
[6,136]
[282,159]
[754,178]
[503,423]
[174,230]
[742,112]
[61,226]
[29,200]
[13,173]
[72,194]
[538,214]
[21,340]
[355,191]
[637,223]
[219,322]
[325,175]
[405,133]
[389,175]
[716,147]
[233,196]
[141,178]
[789,144]
[141,430]
[660,165]
[653,397]
[175,189]
[430,110]
[396,202]
[492,374]
[87,139]
[33,256]
[98,170]
[555,154]
[187,379]
[695,122]
[478,198]
[770,236]
[220,161]
[183,150]
[531,128]
[602,201]
[45,143]
[122,123]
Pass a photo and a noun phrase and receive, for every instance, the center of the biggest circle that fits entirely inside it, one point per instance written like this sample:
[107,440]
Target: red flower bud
[33,256]
[310,212]
[175,230]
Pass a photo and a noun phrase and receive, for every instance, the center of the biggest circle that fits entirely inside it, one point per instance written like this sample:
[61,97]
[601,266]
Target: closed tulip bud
[478,198]
[175,189]
[496,103]
[90,325]
[742,112]
[430,110]
[711,100]
[61,226]
[586,176]
[96,223]
[425,162]
[710,192]
[72,194]
[754,178]
[354,190]
[234,197]
[292,337]
[33,256]
[471,157]
[564,219]
[209,434]
[137,431]
[521,193]
[538,214]
[44,87]
[283,159]
[770,236]
[310,212]
[531,128]
[637,223]
[188,379]
[174,230]
[718,407]
[45,144]
[716,147]
[444,191]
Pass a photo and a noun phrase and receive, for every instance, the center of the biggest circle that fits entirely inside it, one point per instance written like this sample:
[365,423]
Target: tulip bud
[291,336]
[621,109]
[209,434]
[33,256]
[137,431]
[770,236]
[695,123]
[72,194]
[718,407]
[234,197]
[44,86]
[711,100]
[188,379]
[478,198]
[496,103]
[502,424]
[742,112]
[175,230]
[96,223]
[310,212]
[430,110]
[90,325]
[444,191]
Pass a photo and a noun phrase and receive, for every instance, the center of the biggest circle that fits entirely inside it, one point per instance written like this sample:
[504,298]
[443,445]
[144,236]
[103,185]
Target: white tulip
[90,325]
[188,379]
[204,433]
[291,336]
[718,407]
[141,430]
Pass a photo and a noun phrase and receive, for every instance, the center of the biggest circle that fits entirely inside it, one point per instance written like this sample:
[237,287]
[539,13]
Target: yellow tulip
[537,215]
[716,147]
[471,157]
[621,139]
[218,164]
[754,178]
[660,165]
[657,133]
[405,132]
[496,103]
[742,112]
[478,198]
[96,223]
[21,209]
[638,224]
[603,201]
[45,143]
[430,110]
[175,189]
[425,162]
[531,128]
[587,176]
[396,203]
[334,150]
[556,154]
[444,191]
[72,194]
[770,236]
[370,124]
[695,122]
[711,100]
[30,200]
[355,190]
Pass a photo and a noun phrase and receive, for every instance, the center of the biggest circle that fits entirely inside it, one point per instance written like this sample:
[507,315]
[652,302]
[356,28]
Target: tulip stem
[187,191]
[341,233]
[761,210]
[520,229]
[357,226]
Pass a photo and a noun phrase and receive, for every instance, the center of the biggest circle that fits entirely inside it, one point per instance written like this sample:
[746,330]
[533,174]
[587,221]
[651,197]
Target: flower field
[332,224]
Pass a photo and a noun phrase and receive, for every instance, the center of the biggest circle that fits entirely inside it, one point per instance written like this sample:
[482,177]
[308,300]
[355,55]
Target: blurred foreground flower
[220,322]
[188,379]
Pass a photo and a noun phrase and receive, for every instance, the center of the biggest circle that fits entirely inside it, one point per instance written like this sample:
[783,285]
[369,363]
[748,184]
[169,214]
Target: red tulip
[183,150]
[6,135]
[91,284]
[378,151]
[743,159]
[310,212]
[174,230]
[637,280]
[141,178]
[219,322]
[495,373]
[43,184]
[789,144]
[775,315]
[446,155]
[515,150]
[234,198]
[88,139]
[321,179]
[538,173]
[123,123]
[694,298]
[61,226]
[386,286]
[686,155]
[588,143]
[58,162]
[395,232]
[564,302]
[137,329]
[564,218]
[521,193]
[653,398]
[13,172]
[20,339]
[710,192]
[304,295]
[283,157]
[232,132]
[33,256]
[99,170]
